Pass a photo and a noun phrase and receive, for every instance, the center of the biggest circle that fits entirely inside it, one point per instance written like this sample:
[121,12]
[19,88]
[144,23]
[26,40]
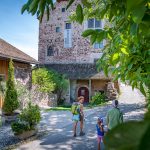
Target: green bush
[19,127]
[28,119]
[98,98]
[11,98]
[31,115]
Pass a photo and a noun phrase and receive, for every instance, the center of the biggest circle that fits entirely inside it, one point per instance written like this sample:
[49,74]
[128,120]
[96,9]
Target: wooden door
[83,91]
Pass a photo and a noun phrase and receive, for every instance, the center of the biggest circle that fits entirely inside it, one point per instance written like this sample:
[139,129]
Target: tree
[49,81]
[11,98]
[61,87]
[43,79]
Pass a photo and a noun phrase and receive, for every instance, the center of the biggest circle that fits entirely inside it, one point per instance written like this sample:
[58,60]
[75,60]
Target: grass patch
[68,107]
[60,108]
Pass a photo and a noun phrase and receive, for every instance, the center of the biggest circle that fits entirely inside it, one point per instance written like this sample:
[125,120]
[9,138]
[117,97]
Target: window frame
[69,26]
[68,31]
[63,9]
[96,28]
[48,51]
[58,29]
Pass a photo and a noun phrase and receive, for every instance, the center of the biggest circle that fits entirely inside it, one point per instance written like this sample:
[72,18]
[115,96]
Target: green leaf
[132,4]
[100,36]
[70,3]
[124,50]
[106,70]
[138,13]
[145,140]
[115,56]
[133,29]
[42,6]
[24,7]
[93,38]
[126,136]
[86,3]
[51,3]
[34,10]
[33,5]
[79,13]
[142,89]
[88,32]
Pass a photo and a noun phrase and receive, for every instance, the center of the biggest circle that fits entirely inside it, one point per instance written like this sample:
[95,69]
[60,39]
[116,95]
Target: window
[91,23]
[57,29]
[50,51]
[67,36]
[68,26]
[98,45]
[63,9]
[94,24]
[97,25]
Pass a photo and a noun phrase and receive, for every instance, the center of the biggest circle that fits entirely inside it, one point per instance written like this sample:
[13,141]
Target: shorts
[76,117]
[100,139]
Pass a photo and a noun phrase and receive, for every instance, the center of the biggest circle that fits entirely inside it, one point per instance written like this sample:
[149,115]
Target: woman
[78,115]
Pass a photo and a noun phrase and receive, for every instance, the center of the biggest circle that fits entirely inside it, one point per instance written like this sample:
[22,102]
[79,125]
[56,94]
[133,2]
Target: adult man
[114,116]
[78,115]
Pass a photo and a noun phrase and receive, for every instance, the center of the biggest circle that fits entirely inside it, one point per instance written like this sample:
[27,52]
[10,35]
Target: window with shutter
[68,36]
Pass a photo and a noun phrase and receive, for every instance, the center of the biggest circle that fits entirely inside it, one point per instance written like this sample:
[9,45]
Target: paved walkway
[59,124]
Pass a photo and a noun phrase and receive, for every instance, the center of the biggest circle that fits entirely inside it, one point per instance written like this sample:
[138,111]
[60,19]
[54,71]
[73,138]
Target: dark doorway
[83,91]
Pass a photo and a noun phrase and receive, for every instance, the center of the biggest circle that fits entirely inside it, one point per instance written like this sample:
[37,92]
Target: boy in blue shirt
[100,132]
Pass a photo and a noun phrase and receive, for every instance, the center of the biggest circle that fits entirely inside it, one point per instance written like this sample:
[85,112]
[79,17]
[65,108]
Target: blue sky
[19,30]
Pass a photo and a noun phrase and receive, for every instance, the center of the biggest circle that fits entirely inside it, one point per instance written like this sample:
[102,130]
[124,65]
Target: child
[100,132]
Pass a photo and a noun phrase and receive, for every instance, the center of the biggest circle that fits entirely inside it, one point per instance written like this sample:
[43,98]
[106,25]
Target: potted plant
[11,98]
[25,126]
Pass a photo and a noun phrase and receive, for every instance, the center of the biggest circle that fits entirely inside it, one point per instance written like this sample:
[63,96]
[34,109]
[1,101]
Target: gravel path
[59,125]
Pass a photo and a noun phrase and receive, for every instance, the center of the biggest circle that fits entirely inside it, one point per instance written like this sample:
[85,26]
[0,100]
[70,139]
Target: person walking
[114,116]
[100,132]
[78,115]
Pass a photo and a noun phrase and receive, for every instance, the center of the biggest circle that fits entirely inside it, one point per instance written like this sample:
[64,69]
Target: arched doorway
[83,91]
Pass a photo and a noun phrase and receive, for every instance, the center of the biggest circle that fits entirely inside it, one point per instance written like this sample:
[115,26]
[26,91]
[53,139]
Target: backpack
[75,108]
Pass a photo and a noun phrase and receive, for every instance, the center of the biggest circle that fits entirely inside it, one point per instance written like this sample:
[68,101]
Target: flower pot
[10,118]
[26,134]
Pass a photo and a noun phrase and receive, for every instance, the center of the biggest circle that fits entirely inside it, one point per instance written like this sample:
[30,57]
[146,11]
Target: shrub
[31,115]
[61,87]
[28,119]
[11,98]
[24,94]
[98,98]
[19,127]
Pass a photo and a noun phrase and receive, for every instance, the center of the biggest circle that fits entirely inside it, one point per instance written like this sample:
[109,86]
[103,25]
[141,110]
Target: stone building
[22,64]
[63,49]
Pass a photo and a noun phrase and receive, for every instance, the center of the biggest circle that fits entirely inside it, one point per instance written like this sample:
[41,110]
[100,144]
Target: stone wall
[43,99]
[81,50]
[23,73]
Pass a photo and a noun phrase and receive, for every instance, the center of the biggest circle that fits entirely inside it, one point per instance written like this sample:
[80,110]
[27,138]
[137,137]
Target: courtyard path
[59,124]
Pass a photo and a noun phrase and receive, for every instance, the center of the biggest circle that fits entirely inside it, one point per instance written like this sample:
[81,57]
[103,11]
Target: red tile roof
[9,51]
